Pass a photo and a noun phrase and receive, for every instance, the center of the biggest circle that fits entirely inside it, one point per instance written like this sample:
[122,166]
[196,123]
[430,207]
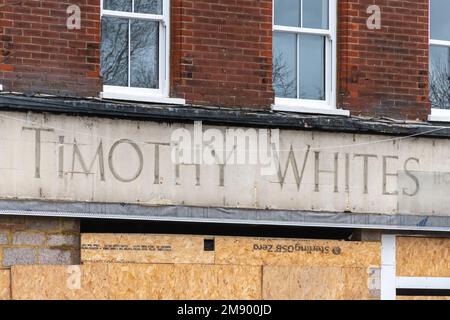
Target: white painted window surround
[439,115]
[159,94]
[390,282]
[439,45]
[292,94]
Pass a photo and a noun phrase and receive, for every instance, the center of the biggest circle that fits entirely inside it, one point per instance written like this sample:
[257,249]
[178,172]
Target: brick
[12,220]
[27,238]
[221,54]
[70,225]
[76,257]
[60,240]
[25,30]
[42,224]
[211,42]
[377,67]
[3,238]
[55,257]
[19,256]
[6,67]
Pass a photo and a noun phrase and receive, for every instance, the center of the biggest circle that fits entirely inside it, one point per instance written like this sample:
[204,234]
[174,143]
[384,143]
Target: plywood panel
[262,251]
[301,283]
[184,282]
[140,282]
[144,248]
[59,282]
[217,282]
[137,281]
[360,284]
[423,257]
[5,286]
[317,283]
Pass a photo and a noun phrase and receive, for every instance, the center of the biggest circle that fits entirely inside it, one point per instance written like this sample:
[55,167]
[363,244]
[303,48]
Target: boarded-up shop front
[105,169]
[125,266]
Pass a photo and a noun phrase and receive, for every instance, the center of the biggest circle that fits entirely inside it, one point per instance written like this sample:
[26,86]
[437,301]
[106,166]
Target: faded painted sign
[55,157]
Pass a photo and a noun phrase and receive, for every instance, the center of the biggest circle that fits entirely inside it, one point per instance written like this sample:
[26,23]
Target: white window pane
[312,67]
[144,50]
[440,19]
[288,13]
[148,6]
[118,5]
[440,77]
[285,65]
[114,51]
[315,14]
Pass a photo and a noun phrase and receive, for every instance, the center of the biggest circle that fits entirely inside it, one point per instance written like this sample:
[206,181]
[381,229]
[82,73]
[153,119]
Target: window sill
[313,110]
[439,115]
[141,98]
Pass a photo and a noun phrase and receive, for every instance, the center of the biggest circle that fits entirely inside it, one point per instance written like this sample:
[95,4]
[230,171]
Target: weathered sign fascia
[64,158]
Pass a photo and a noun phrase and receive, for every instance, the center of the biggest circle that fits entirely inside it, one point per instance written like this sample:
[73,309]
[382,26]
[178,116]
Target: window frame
[436,114]
[328,105]
[146,94]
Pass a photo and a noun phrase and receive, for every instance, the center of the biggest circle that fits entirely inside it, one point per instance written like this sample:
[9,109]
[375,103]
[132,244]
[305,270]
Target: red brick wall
[384,72]
[40,55]
[222,52]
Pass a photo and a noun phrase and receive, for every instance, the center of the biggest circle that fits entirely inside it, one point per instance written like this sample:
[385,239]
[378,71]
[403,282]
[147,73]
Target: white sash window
[439,75]
[135,49]
[304,54]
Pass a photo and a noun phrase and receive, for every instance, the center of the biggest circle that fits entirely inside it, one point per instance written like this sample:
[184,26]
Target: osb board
[264,251]
[5,286]
[423,257]
[217,282]
[185,282]
[137,281]
[422,298]
[59,282]
[140,248]
[319,283]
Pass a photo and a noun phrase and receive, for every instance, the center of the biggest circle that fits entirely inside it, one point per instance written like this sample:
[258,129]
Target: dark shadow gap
[211,229]
[423,292]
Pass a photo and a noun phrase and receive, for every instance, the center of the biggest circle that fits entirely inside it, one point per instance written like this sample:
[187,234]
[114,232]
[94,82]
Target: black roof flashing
[219,116]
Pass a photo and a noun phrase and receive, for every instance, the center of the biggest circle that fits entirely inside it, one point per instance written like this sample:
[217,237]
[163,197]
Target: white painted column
[388,276]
